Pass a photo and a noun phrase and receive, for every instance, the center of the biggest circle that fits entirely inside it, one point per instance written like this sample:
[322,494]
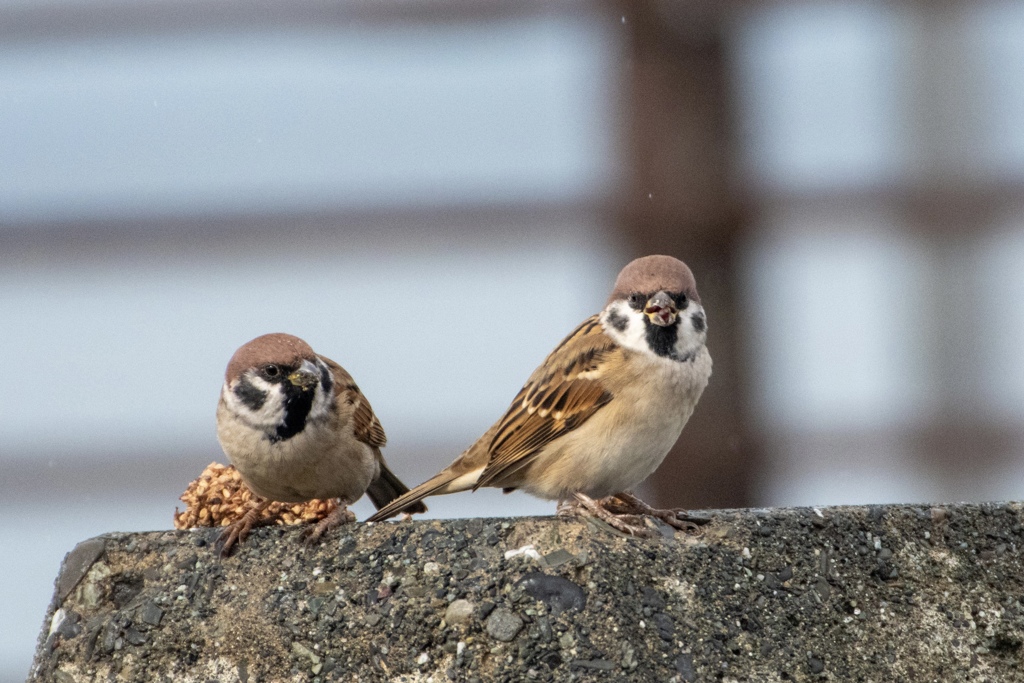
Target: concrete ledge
[893,593]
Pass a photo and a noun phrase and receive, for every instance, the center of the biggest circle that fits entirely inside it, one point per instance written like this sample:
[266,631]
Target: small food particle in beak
[661,310]
[303,380]
[305,377]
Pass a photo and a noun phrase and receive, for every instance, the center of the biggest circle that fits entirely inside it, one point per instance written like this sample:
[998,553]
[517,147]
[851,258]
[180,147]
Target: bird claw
[341,515]
[232,535]
[671,518]
[629,524]
[238,531]
[677,518]
[227,540]
[625,512]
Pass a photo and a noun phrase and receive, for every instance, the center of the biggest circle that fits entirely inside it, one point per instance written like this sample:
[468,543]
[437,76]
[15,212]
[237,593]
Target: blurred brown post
[679,202]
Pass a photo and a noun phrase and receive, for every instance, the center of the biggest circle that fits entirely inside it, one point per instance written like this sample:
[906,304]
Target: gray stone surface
[886,594]
[504,624]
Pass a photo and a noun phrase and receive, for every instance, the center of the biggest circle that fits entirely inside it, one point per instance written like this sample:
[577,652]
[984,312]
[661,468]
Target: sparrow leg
[339,516]
[567,508]
[628,524]
[676,518]
[237,531]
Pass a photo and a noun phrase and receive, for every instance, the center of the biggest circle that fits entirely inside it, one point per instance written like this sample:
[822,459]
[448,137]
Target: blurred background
[434,192]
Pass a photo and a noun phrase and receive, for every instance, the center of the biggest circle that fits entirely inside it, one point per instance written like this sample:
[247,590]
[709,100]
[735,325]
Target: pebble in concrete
[503,624]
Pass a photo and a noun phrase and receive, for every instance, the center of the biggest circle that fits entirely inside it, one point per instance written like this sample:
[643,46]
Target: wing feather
[365,425]
[560,396]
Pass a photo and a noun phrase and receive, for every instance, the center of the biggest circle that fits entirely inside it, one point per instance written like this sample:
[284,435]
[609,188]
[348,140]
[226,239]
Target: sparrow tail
[386,488]
[445,482]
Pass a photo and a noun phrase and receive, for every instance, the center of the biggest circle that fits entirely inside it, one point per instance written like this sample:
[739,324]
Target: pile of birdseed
[219,497]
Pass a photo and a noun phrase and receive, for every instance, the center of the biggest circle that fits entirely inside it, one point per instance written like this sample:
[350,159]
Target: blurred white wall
[882,151]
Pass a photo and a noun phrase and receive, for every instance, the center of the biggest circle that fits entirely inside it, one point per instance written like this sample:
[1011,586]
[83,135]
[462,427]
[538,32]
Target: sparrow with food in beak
[603,410]
[296,427]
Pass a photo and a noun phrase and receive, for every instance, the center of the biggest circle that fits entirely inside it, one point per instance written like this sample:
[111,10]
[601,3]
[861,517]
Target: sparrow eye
[271,370]
[637,300]
[680,300]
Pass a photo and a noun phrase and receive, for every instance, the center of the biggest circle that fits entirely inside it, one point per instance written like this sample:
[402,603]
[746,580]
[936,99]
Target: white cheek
[260,383]
[322,400]
[689,337]
[270,414]
[321,403]
[634,335]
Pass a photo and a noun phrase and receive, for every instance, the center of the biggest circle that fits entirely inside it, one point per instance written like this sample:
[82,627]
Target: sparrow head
[654,307]
[278,384]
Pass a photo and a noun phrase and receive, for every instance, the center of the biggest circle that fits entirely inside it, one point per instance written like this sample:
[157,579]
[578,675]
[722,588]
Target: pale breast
[316,463]
[624,442]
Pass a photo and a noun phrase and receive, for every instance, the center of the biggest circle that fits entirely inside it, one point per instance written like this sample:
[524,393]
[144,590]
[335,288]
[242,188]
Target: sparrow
[296,427]
[602,411]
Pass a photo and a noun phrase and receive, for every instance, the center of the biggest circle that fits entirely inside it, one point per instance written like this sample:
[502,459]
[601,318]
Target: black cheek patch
[326,381]
[250,395]
[618,321]
[698,321]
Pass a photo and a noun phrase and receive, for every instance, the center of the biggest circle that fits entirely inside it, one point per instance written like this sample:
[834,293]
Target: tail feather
[387,489]
[444,482]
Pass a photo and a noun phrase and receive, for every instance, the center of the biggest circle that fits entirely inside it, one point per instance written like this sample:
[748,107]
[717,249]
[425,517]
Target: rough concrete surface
[894,593]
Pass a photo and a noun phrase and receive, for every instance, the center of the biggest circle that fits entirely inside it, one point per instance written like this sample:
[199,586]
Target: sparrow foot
[625,522]
[627,503]
[238,531]
[339,516]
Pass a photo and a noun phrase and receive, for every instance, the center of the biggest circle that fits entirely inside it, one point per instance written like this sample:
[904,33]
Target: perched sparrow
[297,427]
[603,410]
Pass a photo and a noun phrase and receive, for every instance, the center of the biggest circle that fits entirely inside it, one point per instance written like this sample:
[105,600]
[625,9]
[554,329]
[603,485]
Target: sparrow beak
[661,310]
[306,377]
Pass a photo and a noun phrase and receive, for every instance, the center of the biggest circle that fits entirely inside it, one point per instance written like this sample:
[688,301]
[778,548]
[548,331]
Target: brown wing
[364,423]
[559,396]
